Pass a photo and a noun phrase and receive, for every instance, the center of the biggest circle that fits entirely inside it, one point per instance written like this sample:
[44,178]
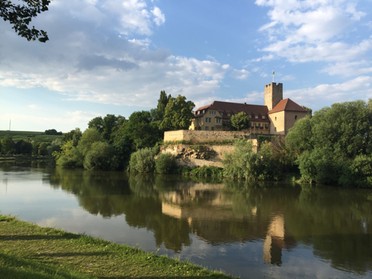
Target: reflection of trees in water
[336,222]
[112,194]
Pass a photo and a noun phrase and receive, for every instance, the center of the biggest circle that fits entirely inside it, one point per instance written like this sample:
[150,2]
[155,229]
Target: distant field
[28,135]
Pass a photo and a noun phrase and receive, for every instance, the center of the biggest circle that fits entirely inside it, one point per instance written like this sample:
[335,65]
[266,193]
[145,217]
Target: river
[250,231]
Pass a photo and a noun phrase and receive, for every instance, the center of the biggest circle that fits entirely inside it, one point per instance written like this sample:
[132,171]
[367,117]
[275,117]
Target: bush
[99,157]
[165,164]
[142,161]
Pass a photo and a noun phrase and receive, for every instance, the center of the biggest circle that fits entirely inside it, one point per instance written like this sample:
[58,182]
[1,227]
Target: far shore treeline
[332,147]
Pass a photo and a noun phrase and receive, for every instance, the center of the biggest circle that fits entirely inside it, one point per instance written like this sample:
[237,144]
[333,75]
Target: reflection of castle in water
[274,241]
[209,211]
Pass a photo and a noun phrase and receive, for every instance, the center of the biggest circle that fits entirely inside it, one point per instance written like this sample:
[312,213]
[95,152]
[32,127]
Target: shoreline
[31,251]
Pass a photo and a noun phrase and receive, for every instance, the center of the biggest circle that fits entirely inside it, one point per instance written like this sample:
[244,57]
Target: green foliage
[207,172]
[299,137]
[244,163]
[74,135]
[165,163]
[7,146]
[177,114]
[90,136]
[69,156]
[52,132]
[240,121]
[142,131]
[20,16]
[99,157]
[107,125]
[142,161]
[334,146]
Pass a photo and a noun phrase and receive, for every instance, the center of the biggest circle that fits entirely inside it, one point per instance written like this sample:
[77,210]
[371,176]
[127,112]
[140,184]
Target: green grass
[29,251]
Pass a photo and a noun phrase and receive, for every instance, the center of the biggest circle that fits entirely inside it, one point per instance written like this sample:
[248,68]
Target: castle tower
[273,94]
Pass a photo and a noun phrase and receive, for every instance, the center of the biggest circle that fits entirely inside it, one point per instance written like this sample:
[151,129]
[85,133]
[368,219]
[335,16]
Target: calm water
[251,232]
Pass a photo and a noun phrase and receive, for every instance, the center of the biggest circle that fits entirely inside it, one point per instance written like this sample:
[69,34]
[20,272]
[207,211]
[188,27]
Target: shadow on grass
[74,254]
[13,267]
[37,237]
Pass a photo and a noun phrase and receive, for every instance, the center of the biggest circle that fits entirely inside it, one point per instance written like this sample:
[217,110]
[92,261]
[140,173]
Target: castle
[275,117]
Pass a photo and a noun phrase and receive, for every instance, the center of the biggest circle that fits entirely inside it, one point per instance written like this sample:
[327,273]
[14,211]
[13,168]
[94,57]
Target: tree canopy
[335,145]
[240,121]
[177,114]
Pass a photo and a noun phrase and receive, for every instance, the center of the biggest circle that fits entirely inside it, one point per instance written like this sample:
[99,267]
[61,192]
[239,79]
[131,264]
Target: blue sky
[115,56]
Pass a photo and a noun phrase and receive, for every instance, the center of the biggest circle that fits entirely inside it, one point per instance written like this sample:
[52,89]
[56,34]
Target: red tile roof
[228,108]
[287,105]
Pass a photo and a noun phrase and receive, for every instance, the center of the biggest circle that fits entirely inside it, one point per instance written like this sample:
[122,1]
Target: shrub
[99,157]
[142,161]
[165,163]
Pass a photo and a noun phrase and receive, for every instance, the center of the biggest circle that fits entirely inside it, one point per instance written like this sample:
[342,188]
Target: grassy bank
[29,251]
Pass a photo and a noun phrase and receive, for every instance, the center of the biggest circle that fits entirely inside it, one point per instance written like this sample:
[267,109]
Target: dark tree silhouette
[21,13]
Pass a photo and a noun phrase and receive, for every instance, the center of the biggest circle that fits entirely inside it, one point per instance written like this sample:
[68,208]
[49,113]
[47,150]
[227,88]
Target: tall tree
[177,114]
[20,15]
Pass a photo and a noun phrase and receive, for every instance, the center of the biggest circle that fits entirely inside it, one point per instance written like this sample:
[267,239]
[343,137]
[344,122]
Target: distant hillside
[29,135]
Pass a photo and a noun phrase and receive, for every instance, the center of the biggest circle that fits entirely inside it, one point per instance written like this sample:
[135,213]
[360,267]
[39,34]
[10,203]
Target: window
[218,120]
[295,117]
[256,116]
[208,120]
[275,118]
[212,112]
[263,117]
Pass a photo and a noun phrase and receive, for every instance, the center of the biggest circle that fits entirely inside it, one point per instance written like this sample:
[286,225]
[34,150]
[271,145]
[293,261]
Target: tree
[99,157]
[163,100]
[89,137]
[177,114]
[106,125]
[74,135]
[240,121]
[331,147]
[20,16]
[142,130]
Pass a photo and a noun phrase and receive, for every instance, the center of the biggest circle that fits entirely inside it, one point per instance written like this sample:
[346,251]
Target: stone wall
[193,136]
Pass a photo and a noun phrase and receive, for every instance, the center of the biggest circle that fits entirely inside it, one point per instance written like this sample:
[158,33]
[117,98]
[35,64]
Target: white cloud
[314,31]
[159,17]
[358,88]
[100,51]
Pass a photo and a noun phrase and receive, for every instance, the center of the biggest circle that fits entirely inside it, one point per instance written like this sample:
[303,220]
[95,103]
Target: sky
[115,56]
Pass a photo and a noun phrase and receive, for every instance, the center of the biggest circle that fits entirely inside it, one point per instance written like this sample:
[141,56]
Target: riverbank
[30,251]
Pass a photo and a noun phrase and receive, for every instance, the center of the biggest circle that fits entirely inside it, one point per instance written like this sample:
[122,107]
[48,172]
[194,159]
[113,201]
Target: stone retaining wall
[193,136]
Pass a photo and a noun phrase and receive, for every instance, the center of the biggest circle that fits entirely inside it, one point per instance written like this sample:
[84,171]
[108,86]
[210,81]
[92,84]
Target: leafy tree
[23,147]
[177,114]
[240,121]
[69,156]
[90,136]
[332,145]
[106,125]
[52,132]
[142,130]
[158,113]
[8,146]
[99,157]
[74,135]
[299,137]
[19,15]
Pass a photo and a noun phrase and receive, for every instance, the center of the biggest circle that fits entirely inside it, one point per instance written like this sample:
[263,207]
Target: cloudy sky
[115,56]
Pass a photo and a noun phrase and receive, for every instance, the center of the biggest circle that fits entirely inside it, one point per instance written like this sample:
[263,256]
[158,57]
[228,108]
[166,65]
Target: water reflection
[335,223]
